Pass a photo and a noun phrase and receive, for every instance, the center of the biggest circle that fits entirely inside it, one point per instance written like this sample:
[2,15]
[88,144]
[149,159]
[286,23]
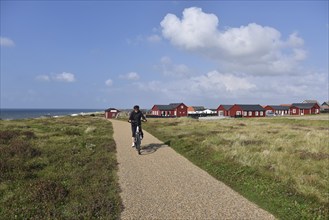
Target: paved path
[161,184]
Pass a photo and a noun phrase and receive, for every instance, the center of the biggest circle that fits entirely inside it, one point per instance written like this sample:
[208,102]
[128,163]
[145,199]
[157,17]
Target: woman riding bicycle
[135,118]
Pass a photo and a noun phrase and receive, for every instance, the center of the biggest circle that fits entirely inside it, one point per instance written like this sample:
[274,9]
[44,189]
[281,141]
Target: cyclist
[135,118]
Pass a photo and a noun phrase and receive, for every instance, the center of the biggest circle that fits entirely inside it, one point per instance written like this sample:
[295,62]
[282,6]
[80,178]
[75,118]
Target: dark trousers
[134,128]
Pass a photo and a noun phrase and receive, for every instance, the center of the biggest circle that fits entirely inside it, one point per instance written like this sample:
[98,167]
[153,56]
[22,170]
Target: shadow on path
[151,148]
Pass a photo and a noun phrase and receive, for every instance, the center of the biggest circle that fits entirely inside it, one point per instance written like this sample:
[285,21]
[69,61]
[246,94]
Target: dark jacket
[136,117]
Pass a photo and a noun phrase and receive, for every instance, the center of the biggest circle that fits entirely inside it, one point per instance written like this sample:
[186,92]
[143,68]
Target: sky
[101,54]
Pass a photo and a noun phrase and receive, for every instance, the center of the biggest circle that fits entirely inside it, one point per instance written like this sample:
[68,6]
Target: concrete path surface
[161,184]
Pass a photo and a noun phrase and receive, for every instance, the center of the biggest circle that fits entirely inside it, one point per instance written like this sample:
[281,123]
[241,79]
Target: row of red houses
[240,110]
[236,110]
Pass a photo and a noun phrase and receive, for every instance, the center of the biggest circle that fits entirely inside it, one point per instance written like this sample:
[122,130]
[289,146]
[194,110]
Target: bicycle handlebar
[135,122]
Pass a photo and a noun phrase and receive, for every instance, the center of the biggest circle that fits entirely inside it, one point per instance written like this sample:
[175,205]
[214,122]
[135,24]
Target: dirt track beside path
[161,184]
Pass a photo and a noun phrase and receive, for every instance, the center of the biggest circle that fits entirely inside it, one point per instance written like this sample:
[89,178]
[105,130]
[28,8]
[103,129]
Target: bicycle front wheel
[138,143]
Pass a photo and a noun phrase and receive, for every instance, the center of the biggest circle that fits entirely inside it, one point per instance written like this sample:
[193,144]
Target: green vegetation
[62,168]
[280,164]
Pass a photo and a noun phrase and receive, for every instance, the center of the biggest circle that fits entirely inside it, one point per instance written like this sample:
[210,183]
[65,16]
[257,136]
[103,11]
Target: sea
[12,114]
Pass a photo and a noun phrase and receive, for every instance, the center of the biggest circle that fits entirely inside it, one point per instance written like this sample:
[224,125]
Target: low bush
[52,169]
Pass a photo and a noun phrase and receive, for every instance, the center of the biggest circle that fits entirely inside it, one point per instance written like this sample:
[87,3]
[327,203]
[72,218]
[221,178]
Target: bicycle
[138,140]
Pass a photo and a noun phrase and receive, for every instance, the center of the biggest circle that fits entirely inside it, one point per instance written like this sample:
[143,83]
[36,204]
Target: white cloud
[109,82]
[299,54]
[214,88]
[6,42]
[215,81]
[130,76]
[212,84]
[45,78]
[168,68]
[154,38]
[252,49]
[59,77]
[64,77]
[310,86]
[193,31]
[295,41]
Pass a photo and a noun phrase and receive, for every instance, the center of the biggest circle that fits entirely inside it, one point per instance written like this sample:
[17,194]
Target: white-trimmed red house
[111,113]
[173,110]
[248,111]
[304,108]
[278,109]
[223,110]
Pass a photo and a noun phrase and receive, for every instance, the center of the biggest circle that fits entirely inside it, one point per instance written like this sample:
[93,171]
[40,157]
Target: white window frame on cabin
[294,111]
[261,113]
[256,113]
[250,113]
[245,113]
[238,112]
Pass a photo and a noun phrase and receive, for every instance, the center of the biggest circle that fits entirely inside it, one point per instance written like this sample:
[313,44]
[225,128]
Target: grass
[279,163]
[62,168]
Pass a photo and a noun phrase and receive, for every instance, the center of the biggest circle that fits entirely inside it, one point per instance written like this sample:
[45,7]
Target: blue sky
[99,54]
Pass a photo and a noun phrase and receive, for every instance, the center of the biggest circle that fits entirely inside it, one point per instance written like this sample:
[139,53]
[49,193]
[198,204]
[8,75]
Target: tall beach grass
[281,164]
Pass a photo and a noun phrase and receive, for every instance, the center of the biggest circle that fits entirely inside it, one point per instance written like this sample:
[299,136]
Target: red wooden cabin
[238,110]
[173,109]
[304,108]
[223,110]
[278,109]
[111,113]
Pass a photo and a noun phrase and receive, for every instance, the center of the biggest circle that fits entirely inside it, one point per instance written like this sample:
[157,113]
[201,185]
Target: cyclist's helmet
[136,107]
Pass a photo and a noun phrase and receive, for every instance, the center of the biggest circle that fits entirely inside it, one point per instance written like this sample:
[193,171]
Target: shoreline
[21,114]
